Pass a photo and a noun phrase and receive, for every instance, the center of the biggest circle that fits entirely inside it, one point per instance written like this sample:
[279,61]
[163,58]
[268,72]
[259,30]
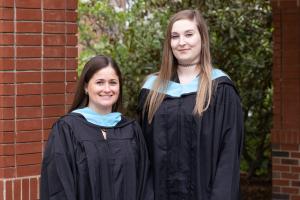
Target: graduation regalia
[192,157]
[81,164]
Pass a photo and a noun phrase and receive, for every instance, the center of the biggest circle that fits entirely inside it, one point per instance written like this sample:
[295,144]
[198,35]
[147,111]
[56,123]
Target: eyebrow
[189,30]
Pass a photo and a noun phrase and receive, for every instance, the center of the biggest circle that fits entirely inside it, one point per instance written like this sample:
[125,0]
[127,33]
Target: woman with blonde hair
[192,118]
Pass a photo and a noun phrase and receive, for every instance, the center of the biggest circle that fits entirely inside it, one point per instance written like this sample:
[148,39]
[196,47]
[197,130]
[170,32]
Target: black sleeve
[228,120]
[57,179]
[145,180]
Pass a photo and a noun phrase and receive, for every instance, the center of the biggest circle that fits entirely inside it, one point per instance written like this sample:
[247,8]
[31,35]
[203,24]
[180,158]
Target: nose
[181,41]
[106,88]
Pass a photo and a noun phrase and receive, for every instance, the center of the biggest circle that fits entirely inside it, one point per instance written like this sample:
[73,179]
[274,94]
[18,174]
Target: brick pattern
[38,61]
[286,100]
[20,188]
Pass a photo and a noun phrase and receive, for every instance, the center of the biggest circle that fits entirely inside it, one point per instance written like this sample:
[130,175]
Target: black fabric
[79,164]
[192,157]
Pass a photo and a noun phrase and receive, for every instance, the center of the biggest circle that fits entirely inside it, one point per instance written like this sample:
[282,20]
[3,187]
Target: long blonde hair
[169,66]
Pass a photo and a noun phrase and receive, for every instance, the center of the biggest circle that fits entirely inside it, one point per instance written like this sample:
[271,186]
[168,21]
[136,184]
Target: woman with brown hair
[94,152]
[192,118]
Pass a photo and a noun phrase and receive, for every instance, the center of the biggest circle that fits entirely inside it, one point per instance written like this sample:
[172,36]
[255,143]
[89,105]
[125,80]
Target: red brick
[53,99]
[57,39]
[29,136]
[30,40]
[290,176]
[289,147]
[17,189]
[71,86]
[54,111]
[71,16]
[24,148]
[289,162]
[29,52]
[69,98]
[290,190]
[279,182]
[28,170]
[7,113]
[54,52]
[28,4]
[25,89]
[29,159]
[1,189]
[282,168]
[7,137]
[28,64]
[295,169]
[72,28]
[71,76]
[6,26]
[48,122]
[295,154]
[296,197]
[34,188]
[28,112]
[6,64]
[29,100]
[6,101]
[72,64]
[7,13]
[54,63]
[54,88]
[72,52]
[296,183]
[7,125]
[57,76]
[7,77]
[29,124]
[6,52]
[54,27]
[28,77]
[7,172]
[54,4]
[54,15]
[7,3]
[9,189]
[7,89]
[7,149]
[7,161]
[29,14]
[72,40]
[72,4]
[6,39]
[25,187]
[29,27]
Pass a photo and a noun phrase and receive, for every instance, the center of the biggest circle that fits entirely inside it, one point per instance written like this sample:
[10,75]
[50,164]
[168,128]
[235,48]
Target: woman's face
[186,41]
[103,90]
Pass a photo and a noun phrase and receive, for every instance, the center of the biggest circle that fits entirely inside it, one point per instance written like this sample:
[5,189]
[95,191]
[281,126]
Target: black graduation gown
[192,157]
[79,164]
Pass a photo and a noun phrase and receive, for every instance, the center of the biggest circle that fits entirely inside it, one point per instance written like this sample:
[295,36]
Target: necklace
[188,65]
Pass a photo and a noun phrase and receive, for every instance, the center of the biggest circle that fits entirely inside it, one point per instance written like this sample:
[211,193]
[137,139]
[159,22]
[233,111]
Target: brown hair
[169,66]
[90,68]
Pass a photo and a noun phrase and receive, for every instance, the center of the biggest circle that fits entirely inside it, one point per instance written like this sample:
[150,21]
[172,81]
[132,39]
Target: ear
[85,89]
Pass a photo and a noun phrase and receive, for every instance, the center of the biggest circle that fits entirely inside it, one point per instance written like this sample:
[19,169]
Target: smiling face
[186,41]
[103,90]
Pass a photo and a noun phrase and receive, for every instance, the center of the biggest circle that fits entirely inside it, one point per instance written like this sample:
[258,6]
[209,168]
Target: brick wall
[286,120]
[38,50]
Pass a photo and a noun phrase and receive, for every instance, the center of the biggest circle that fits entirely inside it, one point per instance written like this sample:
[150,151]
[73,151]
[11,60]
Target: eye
[100,82]
[113,82]
[174,36]
[189,35]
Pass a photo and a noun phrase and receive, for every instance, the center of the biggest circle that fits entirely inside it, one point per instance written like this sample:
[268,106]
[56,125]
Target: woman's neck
[187,74]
